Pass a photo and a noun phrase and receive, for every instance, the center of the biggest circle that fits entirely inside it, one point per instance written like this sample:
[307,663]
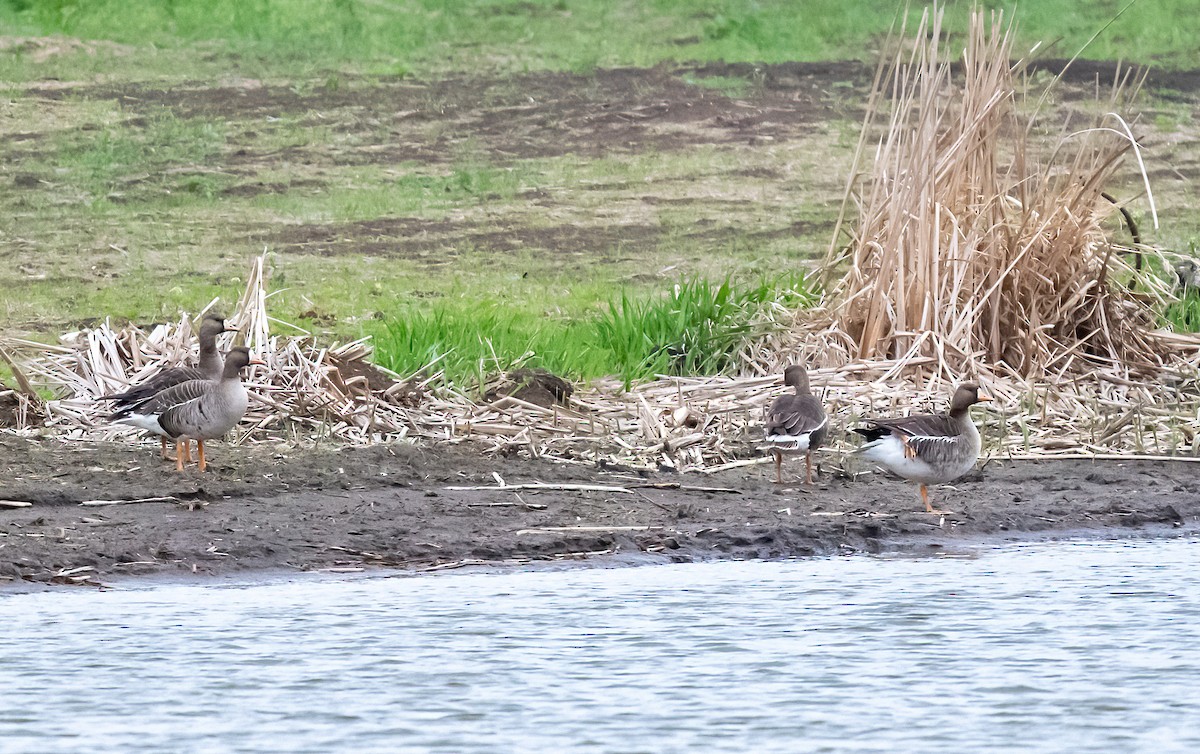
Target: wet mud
[268,507]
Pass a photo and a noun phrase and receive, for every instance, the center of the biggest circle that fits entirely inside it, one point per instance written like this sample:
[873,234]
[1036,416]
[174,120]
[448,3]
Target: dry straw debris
[972,251]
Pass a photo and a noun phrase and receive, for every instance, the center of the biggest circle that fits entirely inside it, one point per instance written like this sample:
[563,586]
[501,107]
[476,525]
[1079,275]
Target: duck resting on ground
[927,448]
[208,368]
[195,410]
[796,423]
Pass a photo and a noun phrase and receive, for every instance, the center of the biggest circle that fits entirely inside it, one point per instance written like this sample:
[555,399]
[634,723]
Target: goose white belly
[148,422]
[891,453]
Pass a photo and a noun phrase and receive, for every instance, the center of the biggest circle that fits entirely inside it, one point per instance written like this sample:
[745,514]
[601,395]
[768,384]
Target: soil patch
[548,114]
[430,240]
[544,114]
[271,507]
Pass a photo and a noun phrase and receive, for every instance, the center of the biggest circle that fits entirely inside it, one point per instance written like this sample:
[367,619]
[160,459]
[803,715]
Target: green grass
[431,36]
[372,194]
[165,158]
[1184,315]
[696,328]
[730,86]
[699,328]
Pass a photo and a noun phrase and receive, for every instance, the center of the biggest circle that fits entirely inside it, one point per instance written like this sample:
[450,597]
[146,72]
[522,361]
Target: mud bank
[277,507]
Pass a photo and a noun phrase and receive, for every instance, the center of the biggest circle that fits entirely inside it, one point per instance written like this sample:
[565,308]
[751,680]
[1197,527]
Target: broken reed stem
[98,503]
[542,487]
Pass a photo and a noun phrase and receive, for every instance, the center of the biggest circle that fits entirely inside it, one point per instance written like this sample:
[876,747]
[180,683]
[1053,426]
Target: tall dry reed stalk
[972,243]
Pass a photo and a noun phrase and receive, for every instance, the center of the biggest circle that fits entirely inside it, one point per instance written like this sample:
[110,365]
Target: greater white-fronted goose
[208,368]
[796,423]
[927,448]
[195,410]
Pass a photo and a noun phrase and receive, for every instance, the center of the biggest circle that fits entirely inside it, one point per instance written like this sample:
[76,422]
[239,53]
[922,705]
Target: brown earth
[542,114]
[268,507]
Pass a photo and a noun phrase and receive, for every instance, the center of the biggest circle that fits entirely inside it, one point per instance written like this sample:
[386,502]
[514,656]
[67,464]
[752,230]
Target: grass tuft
[1184,315]
[697,328]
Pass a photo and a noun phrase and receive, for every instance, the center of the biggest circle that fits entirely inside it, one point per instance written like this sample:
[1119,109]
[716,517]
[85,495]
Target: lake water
[1060,647]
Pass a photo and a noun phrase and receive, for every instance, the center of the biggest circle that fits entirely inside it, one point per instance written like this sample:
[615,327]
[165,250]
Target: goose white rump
[798,443]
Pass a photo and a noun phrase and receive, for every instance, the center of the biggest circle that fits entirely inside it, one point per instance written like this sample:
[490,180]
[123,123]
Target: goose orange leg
[162,448]
[187,451]
[925,499]
[200,453]
[808,468]
[178,456]
[778,466]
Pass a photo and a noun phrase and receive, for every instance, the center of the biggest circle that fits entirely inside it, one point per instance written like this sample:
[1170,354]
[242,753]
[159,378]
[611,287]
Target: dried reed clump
[976,246]
[971,243]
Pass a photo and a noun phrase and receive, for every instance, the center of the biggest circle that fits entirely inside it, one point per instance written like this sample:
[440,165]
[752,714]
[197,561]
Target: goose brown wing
[164,380]
[921,425]
[795,415]
[176,395]
[926,436]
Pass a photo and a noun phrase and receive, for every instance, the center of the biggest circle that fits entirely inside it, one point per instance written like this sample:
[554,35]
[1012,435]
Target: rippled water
[1057,647]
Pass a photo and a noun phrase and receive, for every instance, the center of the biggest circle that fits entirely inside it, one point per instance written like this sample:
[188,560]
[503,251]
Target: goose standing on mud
[928,448]
[195,410]
[796,423]
[208,368]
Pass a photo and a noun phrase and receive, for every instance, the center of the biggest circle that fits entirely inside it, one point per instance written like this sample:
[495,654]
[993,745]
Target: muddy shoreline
[276,508]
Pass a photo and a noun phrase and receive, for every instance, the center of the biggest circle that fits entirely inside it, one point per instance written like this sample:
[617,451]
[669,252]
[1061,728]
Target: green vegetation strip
[435,36]
[698,328]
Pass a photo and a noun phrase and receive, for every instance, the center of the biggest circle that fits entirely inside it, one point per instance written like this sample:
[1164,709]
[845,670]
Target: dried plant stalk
[967,247]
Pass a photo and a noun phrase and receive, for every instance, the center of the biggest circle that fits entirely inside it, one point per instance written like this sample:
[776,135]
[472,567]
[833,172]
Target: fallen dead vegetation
[971,251]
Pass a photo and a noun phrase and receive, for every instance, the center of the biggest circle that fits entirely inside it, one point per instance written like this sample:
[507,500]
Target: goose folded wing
[927,436]
[172,397]
[164,380]
[796,418]
[922,425]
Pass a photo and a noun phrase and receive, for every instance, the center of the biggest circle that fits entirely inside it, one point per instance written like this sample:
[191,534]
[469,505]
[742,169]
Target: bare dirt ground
[266,507]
